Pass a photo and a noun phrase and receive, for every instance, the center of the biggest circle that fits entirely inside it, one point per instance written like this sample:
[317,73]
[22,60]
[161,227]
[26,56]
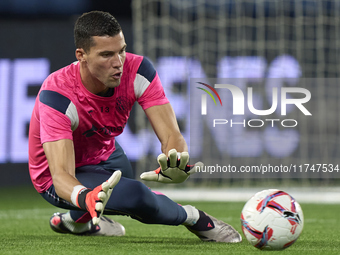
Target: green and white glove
[173,169]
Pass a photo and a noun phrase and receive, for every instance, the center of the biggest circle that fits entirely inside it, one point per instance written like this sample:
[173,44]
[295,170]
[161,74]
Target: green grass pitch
[24,229]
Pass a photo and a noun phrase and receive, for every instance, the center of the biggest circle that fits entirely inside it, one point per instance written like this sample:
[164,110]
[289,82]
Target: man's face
[105,60]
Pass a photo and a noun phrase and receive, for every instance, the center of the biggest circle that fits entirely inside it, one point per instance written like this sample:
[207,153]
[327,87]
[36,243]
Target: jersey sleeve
[57,116]
[148,87]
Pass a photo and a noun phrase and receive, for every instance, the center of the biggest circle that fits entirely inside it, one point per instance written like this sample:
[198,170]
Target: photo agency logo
[302,96]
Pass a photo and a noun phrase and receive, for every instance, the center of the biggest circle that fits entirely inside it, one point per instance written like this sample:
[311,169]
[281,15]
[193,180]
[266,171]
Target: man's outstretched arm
[174,160]
[164,123]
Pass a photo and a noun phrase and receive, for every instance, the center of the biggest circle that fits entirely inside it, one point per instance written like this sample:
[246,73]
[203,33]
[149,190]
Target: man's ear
[81,55]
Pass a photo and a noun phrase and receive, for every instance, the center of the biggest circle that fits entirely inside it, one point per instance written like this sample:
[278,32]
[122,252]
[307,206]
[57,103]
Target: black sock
[204,223]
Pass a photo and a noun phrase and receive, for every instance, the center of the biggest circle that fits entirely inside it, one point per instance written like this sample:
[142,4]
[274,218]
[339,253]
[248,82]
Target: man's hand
[173,169]
[94,201]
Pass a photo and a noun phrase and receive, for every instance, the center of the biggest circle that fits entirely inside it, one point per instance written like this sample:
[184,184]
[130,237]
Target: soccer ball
[272,220]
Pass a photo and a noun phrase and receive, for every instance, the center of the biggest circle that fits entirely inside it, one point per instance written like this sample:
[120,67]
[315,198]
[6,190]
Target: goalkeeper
[75,162]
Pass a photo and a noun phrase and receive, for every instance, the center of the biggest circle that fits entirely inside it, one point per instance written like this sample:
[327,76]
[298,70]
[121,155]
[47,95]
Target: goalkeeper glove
[173,169]
[94,201]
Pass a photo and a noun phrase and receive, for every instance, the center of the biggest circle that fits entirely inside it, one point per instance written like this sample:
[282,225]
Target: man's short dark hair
[94,23]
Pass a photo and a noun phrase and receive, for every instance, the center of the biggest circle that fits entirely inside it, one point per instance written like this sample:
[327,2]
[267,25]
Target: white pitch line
[35,213]
[302,195]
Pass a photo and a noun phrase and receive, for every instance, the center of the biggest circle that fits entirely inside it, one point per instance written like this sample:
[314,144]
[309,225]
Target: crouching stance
[75,162]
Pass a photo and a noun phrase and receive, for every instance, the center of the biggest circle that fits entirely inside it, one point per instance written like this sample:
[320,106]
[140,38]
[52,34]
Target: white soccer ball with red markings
[272,220]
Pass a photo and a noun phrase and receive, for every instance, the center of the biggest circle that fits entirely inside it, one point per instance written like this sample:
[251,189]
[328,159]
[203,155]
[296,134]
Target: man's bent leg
[131,197]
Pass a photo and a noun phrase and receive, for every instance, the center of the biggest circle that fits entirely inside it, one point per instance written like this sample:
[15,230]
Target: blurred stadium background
[221,38]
